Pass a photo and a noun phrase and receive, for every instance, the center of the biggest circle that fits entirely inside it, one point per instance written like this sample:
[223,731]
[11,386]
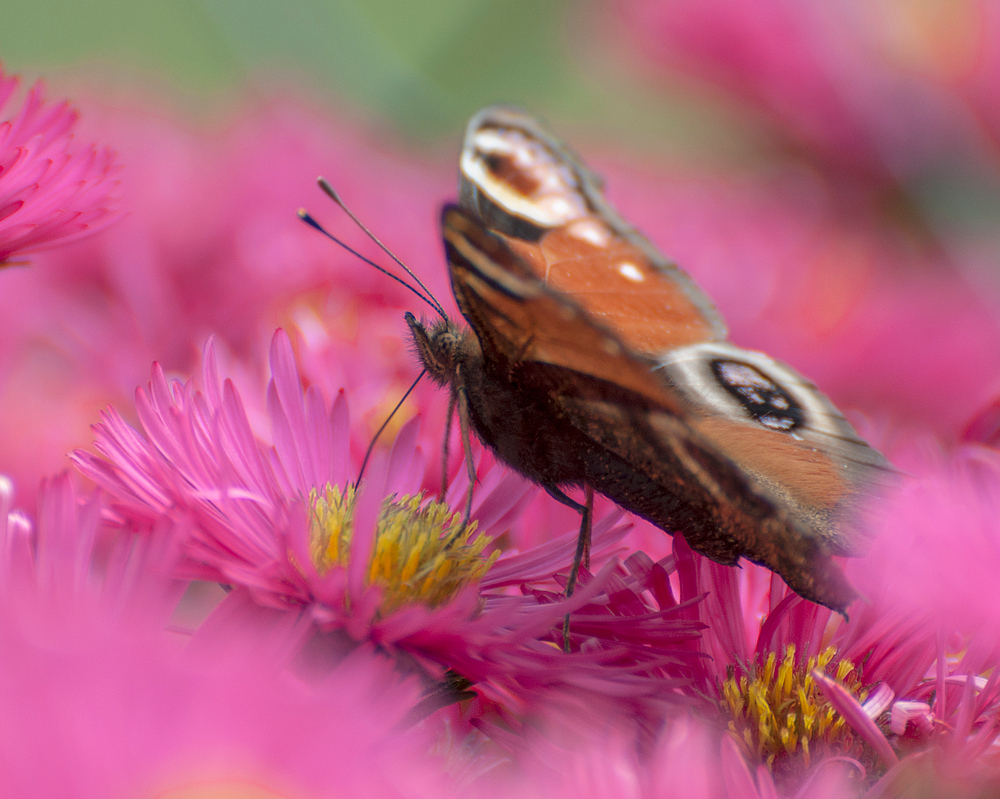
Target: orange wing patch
[617,284]
[808,475]
[525,321]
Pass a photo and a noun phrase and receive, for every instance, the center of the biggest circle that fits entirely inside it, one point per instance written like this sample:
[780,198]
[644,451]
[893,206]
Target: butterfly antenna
[331,192]
[385,424]
[306,217]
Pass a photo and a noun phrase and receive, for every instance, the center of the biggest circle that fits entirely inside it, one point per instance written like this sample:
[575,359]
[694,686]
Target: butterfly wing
[568,301]
[500,296]
[776,426]
[629,427]
[527,186]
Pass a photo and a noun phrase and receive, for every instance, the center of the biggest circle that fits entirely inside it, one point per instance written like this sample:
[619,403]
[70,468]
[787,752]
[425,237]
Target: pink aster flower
[60,562]
[101,699]
[280,524]
[691,758]
[933,570]
[211,246]
[904,691]
[51,192]
[95,708]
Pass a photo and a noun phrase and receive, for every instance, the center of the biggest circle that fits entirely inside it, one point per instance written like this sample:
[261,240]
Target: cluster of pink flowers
[215,600]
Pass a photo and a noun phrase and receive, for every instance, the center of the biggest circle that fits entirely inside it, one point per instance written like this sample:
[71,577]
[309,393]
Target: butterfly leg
[582,555]
[452,399]
[462,403]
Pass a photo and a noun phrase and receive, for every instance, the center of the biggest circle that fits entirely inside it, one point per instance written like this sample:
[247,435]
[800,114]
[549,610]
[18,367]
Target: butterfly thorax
[515,421]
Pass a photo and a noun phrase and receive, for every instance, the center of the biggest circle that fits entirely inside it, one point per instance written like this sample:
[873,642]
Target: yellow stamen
[419,556]
[778,712]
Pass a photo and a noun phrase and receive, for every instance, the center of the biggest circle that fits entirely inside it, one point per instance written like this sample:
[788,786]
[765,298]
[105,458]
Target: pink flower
[933,570]
[908,683]
[279,524]
[50,562]
[102,699]
[210,245]
[50,191]
[691,757]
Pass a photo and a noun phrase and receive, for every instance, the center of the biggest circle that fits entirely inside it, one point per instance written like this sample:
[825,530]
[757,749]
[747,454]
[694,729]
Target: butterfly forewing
[518,320]
[521,182]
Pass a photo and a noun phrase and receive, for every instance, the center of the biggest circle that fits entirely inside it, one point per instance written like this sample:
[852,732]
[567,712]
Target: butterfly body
[592,361]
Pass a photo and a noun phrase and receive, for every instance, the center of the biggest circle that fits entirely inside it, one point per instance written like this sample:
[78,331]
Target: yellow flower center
[778,712]
[421,554]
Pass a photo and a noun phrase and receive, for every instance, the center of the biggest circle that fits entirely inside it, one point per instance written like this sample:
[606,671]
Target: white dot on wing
[631,271]
[589,231]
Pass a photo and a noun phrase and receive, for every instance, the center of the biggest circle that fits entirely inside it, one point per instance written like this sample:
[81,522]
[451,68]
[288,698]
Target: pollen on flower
[421,554]
[779,714]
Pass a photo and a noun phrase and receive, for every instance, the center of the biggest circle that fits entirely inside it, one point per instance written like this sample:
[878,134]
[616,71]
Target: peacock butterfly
[593,361]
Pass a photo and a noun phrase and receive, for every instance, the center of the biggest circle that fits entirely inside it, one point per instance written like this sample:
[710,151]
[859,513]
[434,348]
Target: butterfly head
[442,347]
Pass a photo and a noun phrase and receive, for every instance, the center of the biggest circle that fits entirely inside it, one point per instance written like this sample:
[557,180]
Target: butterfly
[592,361]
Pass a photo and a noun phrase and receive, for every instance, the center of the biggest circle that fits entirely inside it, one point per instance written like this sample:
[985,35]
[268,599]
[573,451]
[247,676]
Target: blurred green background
[422,67]
[418,69]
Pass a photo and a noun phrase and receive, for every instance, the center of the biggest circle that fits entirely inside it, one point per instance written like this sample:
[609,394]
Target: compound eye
[764,400]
